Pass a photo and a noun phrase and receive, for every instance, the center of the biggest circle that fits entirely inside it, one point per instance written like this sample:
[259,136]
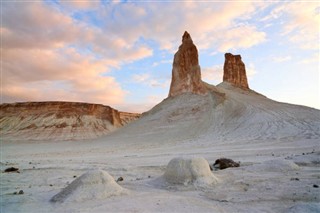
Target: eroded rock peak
[234,71]
[186,74]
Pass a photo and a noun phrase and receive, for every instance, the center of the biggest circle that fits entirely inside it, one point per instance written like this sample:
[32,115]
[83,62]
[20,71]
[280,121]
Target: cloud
[161,62]
[49,75]
[139,78]
[151,81]
[299,21]
[315,58]
[212,74]
[48,55]
[34,25]
[208,22]
[241,37]
[80,4]
[281,59]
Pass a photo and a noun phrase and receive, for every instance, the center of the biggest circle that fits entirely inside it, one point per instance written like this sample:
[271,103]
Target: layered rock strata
[59,120]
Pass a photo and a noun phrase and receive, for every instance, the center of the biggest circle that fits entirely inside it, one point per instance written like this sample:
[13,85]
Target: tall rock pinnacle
[234,71]
[186,74]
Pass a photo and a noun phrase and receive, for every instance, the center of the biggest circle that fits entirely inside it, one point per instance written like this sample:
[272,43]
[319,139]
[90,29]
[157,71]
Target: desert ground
[277,145]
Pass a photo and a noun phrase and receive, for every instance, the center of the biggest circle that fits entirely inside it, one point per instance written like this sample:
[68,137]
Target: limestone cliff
[59,120]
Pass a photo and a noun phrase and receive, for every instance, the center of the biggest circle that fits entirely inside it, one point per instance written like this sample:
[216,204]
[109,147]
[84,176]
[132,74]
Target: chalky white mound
[189,171]
[94,184]
[276,165]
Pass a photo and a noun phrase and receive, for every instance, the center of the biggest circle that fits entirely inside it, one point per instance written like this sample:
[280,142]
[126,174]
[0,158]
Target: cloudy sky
[120,53]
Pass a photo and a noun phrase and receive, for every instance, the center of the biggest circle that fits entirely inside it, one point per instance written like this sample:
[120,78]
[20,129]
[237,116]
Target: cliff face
[59,120]
[234,71]
[186,74]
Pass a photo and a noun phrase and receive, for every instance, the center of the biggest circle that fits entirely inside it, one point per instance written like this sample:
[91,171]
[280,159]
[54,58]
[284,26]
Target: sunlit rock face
[186,73]
[234,71]
[59,120]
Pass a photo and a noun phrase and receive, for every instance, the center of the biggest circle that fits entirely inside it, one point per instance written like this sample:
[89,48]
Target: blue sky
[120,53]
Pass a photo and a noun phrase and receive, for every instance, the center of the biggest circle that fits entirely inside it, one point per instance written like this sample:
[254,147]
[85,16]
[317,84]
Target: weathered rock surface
[234,71]
[186,74]
[59,120]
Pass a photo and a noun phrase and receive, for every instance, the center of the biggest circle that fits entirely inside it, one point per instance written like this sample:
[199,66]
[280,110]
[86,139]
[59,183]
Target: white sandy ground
[276,143]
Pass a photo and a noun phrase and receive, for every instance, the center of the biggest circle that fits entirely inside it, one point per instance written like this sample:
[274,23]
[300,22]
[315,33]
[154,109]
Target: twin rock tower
[186,72]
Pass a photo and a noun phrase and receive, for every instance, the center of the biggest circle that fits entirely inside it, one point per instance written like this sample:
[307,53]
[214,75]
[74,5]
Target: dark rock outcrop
[223,163]
[234,71]
[11,169]
[186,74]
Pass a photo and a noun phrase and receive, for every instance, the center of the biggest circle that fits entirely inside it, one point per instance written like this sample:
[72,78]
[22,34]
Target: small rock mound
[94,184]
[277,165]
[223,163]
[189,171]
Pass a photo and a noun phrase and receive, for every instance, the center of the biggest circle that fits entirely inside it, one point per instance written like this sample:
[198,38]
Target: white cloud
[240,37]
[80,4]
[300,22]
[138,78]
[281,58]
[315,58]
[206,22]
[154,64]
[212,74]
[151,81]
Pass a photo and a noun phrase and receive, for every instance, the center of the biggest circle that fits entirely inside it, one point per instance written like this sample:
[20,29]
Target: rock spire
[234,71]
[186,74]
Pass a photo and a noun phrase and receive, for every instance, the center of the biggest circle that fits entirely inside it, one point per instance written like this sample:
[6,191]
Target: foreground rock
[189,171]
[96,184]
[59,120]
[11,169]
[186,74]
[234,71]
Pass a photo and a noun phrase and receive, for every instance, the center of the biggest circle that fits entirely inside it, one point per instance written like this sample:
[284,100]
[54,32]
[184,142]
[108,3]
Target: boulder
[187,171]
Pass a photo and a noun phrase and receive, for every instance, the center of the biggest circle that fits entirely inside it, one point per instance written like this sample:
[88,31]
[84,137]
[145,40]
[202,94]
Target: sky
[120,53]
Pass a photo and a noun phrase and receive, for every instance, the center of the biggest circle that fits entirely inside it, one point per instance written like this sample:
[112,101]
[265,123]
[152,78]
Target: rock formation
[59,120]
[95,184]
[234,71]
[189,171]
[186,74]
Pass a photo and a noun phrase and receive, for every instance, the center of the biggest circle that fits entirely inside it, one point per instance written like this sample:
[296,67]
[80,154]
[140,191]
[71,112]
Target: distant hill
[59,120]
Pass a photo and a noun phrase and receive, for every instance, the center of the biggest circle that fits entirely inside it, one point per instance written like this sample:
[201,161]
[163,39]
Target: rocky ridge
[60,120]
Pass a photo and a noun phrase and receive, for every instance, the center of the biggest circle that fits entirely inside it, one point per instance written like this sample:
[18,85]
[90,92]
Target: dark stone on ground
[223,163]
[120,179]
[315,186]
[11,169]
